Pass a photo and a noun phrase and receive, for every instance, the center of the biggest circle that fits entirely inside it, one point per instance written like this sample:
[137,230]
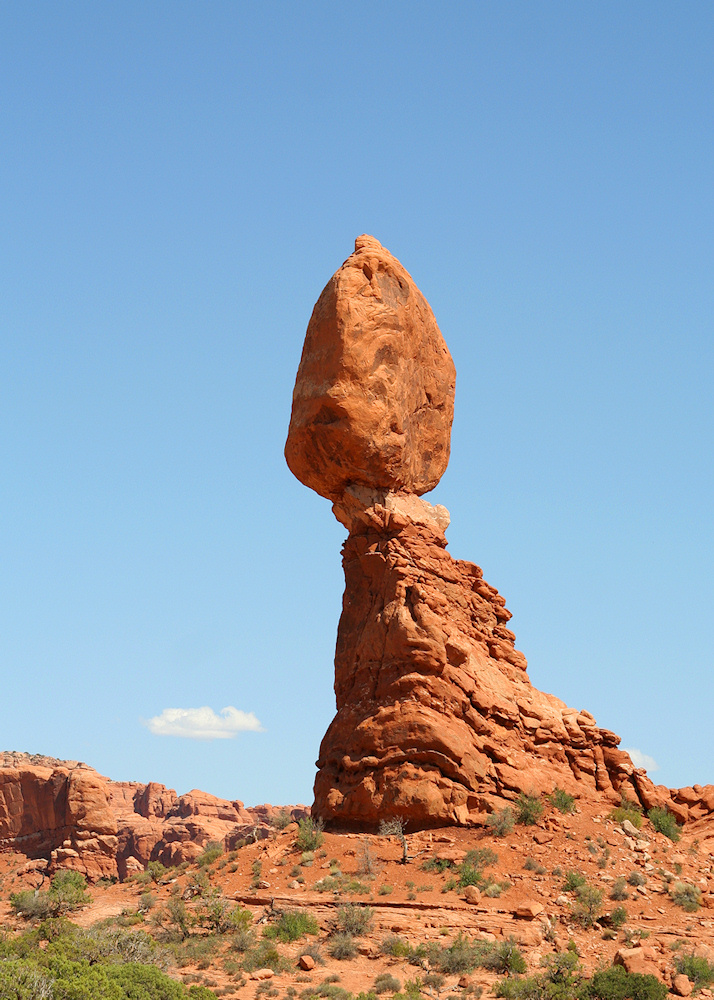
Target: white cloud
[640,759]
[203,723]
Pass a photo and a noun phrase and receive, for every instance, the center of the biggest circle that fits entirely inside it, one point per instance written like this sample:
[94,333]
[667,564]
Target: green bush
[211,852]
[386,983]
[531,865]
[292,925]
[529,809]
[505,958]
[264,956]
[618,917]
[281,819]
[355,919]
[460,956]
[562,800]
[618,890]
[636,878]
[587,906]
[627,810]
[66,893]
[664,822]
[309,836]
[342,946]
[501,823]
[436,865]
[616,984]
[699,972]
[156,871]
[687,896]
[395,946]
[573,881]
[558,981]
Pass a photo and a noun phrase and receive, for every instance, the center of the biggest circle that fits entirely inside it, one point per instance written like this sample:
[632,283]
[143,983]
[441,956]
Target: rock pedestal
[437,722]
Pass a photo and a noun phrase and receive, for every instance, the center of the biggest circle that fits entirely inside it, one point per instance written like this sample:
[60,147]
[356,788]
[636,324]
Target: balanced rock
[374,395]
[437,722]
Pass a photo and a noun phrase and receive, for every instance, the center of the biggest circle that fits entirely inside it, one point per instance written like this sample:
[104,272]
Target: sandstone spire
[437,721]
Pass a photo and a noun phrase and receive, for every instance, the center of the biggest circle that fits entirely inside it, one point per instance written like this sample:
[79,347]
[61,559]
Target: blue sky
[179,181]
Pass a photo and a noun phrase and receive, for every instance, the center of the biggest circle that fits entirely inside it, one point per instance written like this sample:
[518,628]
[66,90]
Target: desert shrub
[264,956]
[468,875]
[664,822]
[573,881]
[562,800]
[529,809]
[385,890]
[627,810]
[174,917]
[314,951]
[342,946]
[616,984]
[558,981]
[281,819]
[66,893]
[292,925]
[309,835]
[197,884]
[494,889]
[699,972]
[342,883]
[618,890]
[531,865]
[686,895]
[501,823]
[504,958]
[156,871]
[436,865]
[198,950]
[386,983]
[354,919]
[243,940]
[395,946]
[460,956]
[31,905]
[147,902]
[587,905]
[481,857]
[211,852]
[636,878]
[618,917]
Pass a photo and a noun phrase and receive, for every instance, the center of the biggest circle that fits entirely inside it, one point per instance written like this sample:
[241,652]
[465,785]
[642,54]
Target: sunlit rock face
[374,395]
[437,722]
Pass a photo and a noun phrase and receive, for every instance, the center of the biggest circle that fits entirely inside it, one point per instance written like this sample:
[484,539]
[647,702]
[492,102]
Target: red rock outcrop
[73,817]
[58,810]
[377,379]
[437,721]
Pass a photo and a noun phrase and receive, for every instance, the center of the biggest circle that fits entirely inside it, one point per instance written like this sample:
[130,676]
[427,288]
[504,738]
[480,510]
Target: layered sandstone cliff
[437,721]
[69,815]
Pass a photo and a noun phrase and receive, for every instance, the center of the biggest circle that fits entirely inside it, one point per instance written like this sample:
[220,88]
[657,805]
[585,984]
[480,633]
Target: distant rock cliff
[71,816]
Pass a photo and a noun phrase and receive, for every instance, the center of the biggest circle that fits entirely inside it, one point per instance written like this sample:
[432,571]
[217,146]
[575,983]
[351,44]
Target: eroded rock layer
[437,721]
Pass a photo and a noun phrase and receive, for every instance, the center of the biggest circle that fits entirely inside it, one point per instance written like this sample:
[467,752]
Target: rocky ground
[414,909]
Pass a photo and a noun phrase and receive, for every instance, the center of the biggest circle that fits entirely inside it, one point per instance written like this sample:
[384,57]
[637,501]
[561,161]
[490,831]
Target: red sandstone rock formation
[58,810]
[377,379]
[68,814]
[437,721]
